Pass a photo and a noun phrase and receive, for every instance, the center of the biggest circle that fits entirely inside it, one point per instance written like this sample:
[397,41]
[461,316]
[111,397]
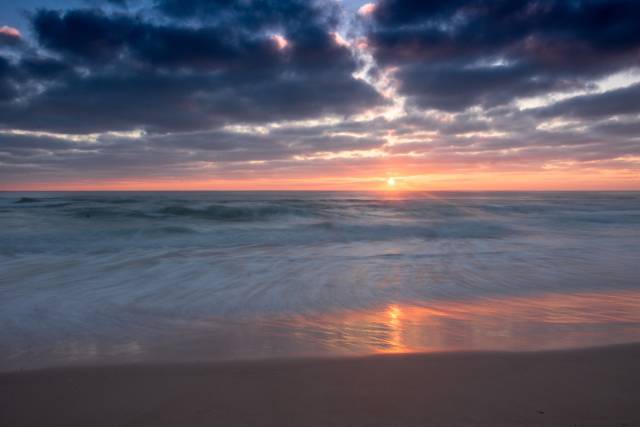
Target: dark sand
[594,387]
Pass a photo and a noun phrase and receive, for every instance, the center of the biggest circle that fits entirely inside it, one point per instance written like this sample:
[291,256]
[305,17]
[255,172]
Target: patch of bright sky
[89,137]
[557,124]
[489,63]
[351,36]
[346,154]
[354,5]
[485,134]
[265,128]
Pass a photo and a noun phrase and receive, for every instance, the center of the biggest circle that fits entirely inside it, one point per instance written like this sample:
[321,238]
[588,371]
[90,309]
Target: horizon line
[396,191]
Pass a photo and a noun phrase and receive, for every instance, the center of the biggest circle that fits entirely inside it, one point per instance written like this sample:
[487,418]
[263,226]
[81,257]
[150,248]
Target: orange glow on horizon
[595,180]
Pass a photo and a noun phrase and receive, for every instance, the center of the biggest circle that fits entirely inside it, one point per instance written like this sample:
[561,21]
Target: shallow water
[112,277]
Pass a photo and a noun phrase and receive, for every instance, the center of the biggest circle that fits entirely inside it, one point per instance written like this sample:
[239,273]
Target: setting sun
[391,182]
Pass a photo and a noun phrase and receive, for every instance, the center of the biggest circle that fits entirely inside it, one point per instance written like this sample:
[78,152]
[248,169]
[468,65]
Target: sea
[130,277]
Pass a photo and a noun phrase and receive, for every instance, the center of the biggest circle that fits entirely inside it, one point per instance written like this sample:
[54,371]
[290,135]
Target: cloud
[125,70]
[248,88]
[612,103]
[367,9]
[456,54]
[32,154]
[9,35]
[10,31]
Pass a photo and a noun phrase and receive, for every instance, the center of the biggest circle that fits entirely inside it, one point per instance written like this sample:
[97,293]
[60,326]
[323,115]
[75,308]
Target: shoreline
[594,386]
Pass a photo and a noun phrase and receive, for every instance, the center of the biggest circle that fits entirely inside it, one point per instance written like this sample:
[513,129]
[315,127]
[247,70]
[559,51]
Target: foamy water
[112,277]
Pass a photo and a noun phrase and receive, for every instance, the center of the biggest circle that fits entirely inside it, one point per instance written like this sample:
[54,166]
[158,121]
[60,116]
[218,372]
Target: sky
[319,95]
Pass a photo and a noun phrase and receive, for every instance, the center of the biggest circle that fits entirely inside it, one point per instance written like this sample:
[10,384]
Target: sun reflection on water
[394,323]
[515,323]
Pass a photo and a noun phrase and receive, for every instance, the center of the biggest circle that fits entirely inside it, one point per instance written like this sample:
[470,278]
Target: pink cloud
[10,32]
[367,9]
[339,40]
[281,42]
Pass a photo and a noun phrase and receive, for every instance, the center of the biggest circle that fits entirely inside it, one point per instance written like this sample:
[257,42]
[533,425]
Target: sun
[391,182]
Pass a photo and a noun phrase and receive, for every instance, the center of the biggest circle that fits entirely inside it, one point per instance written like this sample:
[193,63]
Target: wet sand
[591,387]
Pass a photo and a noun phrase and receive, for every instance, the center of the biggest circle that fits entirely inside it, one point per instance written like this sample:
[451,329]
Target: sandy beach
[590,387]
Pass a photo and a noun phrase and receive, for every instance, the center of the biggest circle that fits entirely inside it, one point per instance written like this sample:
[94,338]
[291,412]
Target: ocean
[112,277]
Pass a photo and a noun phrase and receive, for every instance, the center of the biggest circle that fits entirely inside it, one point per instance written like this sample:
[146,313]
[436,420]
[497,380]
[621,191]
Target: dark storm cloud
[97,38]
[454,87]
[9,80]
[300,16]
[124,70]
[454,54]
[43,69]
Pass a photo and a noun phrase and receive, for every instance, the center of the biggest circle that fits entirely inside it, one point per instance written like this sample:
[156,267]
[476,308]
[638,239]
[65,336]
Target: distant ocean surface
[124,277]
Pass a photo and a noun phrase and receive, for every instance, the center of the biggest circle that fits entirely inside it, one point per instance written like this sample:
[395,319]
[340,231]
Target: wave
[102,213]
[457,229]
[77,223]
[220,212]
[27,200]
